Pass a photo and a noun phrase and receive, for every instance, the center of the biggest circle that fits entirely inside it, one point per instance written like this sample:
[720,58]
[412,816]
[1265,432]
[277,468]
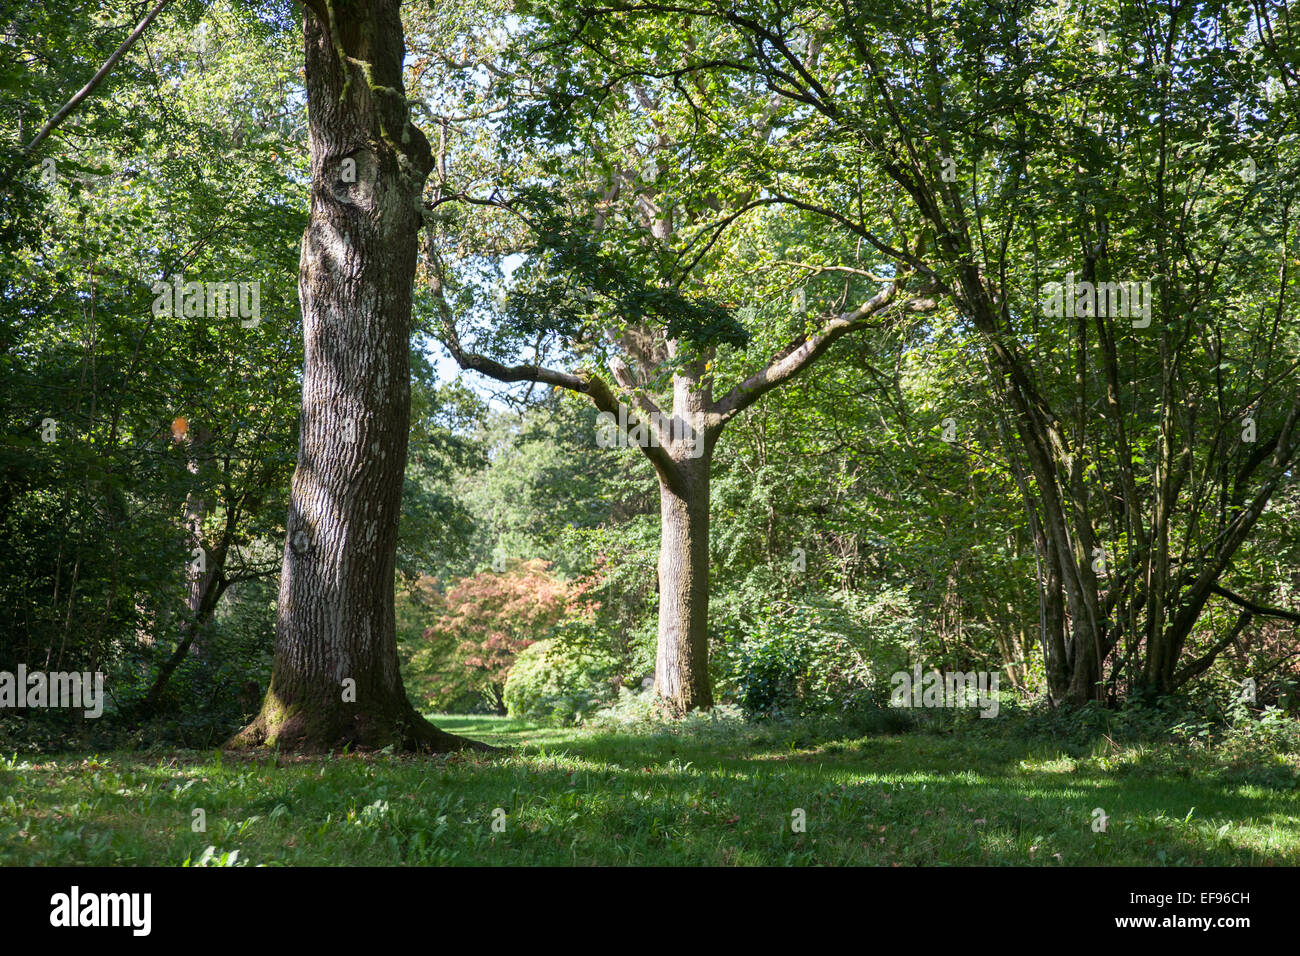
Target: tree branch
[1202,663]
[85,91]
[1254,608]
[584,382]
[800,354]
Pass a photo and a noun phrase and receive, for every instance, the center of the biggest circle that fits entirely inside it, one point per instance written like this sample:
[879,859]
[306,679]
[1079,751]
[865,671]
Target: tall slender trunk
[335,678]
[204,588]
[682,655]
[1073,630]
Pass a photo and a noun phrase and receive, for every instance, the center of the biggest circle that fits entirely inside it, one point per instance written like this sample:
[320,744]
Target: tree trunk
[335,679]
[682,655]
[201,606]
[204,589]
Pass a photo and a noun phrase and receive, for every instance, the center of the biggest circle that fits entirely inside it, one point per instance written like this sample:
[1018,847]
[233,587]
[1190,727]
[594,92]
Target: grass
[694,796]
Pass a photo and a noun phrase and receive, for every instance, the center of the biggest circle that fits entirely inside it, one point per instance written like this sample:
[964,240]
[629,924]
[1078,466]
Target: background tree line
[825,227]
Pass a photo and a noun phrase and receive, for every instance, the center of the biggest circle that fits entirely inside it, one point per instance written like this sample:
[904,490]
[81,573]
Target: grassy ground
[661,798]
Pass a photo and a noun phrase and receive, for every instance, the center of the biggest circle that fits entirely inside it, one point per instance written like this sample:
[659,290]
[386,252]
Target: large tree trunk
[335,679]
[682,655]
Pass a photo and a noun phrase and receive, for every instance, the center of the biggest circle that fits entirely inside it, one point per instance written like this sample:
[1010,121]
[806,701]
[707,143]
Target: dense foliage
[1097,510]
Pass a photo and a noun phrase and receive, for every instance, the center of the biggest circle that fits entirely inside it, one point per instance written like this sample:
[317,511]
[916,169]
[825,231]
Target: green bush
[554,682]
[820,658]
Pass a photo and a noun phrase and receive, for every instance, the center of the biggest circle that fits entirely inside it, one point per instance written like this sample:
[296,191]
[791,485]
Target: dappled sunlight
[575,795]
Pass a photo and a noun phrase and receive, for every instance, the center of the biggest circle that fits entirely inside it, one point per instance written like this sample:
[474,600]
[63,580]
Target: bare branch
[1254,608]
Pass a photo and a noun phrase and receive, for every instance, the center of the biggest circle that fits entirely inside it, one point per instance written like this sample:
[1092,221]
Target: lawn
[691,796]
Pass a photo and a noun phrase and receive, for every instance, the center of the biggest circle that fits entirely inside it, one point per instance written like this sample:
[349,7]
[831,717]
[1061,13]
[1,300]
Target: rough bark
[682,652]
[335,679]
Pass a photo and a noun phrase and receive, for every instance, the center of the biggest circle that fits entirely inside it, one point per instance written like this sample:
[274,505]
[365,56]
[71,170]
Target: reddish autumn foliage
[481,623]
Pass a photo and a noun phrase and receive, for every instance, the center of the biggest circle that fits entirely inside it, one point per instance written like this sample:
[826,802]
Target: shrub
[552,681]
[819,658]
[482,623]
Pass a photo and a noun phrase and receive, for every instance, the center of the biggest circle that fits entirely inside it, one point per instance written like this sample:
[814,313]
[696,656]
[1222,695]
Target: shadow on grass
[724,795]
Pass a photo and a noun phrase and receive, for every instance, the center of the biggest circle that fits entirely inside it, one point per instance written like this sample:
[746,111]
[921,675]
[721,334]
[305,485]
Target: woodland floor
[695,796]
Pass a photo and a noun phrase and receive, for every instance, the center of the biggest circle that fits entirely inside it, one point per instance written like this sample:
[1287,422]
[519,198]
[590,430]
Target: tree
[968,117]
[336,679]
[481,623]
[612,276]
